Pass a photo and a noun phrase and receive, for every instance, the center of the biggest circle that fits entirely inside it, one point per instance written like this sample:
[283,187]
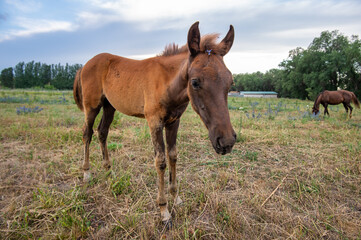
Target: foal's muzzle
[224,145]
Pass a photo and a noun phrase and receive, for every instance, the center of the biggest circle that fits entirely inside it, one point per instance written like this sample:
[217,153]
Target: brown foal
[159,90]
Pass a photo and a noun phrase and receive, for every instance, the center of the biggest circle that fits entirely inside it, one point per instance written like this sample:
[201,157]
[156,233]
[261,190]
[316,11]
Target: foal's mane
[208,42]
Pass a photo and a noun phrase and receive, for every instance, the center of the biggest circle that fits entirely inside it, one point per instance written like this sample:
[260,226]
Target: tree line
[36,74]
[331,61]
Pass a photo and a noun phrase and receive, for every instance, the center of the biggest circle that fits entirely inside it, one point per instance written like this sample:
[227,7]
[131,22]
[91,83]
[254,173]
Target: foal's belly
[128,102]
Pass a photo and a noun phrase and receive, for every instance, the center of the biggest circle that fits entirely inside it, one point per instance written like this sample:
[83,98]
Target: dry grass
[288,177]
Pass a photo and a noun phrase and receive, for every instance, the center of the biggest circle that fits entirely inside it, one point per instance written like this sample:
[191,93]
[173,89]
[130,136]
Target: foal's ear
[227,42]
[194,38]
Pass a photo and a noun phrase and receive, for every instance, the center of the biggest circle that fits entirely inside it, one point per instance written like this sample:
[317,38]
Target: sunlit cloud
[28,27]
[161,14]
[143,10]
[253,61]
[265,30]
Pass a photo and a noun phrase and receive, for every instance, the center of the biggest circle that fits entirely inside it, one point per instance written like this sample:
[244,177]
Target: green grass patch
[290,175]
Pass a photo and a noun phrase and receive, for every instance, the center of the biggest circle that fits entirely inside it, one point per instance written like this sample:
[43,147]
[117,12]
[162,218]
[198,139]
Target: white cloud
[253,61]
[297,33]
[27,27]
[265,30]
[156,14]
[143,10]
[25,6]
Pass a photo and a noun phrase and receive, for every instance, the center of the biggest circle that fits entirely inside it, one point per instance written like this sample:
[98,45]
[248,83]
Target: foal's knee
[160,162]
[87,134]
[172,156]
[161,165]
[103,136]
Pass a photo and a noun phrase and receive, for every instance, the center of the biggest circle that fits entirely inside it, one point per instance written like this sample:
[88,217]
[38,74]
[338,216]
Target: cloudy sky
[73,31]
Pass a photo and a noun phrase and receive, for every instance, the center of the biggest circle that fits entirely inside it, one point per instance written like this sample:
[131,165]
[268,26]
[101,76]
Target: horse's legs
[326,110]
[351,108]
[171,131]
[156,129]
[345,106]
[90,115]
[103,129]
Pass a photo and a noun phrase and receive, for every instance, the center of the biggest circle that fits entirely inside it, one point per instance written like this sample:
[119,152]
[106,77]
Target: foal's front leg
[156,129]
[326,110]
[171,131]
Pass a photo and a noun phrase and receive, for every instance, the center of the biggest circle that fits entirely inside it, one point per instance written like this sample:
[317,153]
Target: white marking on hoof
[87,176]
[166,215]
[178,201]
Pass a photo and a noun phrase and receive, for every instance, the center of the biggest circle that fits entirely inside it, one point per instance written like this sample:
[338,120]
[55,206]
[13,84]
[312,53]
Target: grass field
[290,175]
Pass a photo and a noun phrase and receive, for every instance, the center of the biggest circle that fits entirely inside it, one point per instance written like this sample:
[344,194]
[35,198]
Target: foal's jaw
[217,121]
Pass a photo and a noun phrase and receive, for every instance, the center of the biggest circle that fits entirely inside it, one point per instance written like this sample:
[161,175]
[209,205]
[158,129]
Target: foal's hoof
[166,218]
[87,176]
[106,166]
[178,201]
[168,224]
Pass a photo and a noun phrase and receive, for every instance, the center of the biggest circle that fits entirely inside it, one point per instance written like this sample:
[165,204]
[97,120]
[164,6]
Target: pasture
[290,175]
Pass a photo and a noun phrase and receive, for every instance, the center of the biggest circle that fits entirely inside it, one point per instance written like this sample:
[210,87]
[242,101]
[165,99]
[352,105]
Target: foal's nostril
[235,136]
[218,142]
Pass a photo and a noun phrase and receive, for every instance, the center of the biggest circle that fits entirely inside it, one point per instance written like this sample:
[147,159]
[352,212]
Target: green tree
[7,77]
[44,74]
[36,75]
[19,75]
[256,81]
[58,76]
[63,76]
[353,66]
[331,50]
[29,75]
[292,84]
[331,61]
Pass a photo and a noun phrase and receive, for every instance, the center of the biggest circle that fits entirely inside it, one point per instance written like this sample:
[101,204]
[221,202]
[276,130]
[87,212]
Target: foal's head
[209,81]
[315,110]
[316,105]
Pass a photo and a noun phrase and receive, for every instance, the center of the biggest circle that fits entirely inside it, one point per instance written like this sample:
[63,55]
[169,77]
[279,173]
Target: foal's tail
[78,96]
[355,100]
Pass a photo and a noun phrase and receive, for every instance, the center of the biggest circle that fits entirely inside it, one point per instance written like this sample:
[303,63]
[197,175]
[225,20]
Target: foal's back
[129,85]
[335,97]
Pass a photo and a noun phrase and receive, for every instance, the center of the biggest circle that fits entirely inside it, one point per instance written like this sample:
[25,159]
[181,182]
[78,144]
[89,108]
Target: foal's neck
[316,105]
[177,89]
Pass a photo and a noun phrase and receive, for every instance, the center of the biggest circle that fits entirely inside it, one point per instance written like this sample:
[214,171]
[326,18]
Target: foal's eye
[195,83]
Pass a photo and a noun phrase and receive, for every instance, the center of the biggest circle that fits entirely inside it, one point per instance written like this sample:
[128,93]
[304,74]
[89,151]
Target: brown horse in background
[159,90]
[333,98]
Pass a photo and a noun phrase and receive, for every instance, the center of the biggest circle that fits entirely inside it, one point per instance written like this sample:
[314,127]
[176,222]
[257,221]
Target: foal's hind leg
[90,115]
[346,108]
[103,129]
[351,108]
[171,131]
